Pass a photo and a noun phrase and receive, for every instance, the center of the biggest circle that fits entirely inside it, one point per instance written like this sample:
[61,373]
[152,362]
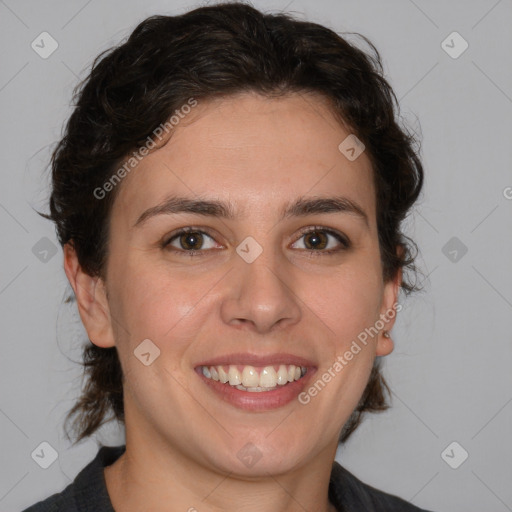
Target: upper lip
[257,360]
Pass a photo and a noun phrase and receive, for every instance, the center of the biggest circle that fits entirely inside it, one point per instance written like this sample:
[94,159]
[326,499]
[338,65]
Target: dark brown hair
[217,51]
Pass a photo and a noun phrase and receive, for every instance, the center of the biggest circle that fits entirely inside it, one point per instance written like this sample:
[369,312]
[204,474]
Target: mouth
[254,379]
[256,383]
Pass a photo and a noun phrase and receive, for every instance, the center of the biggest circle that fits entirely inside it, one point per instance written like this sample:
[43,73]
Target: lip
[264,400]
[257,360]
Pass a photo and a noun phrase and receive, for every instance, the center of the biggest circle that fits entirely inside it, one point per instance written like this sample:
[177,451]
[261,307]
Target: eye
[317,239]
[195,242]
[190,240]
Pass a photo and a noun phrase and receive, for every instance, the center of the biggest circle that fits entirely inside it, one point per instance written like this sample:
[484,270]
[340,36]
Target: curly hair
[217,51]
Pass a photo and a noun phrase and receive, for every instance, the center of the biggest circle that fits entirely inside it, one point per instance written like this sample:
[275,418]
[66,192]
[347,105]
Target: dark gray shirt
[88,492]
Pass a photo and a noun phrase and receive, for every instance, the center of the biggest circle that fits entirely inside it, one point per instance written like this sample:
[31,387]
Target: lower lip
[258,401]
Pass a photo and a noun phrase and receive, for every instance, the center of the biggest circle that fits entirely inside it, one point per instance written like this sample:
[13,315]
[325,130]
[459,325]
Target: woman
[229,194]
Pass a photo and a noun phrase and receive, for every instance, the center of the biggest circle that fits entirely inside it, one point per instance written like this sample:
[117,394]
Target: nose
[259,296]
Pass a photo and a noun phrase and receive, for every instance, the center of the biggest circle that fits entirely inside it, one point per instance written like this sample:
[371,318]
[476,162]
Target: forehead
[255,151]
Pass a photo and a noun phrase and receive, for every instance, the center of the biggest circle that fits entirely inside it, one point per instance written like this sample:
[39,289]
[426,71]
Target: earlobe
[385,344]
[91,298]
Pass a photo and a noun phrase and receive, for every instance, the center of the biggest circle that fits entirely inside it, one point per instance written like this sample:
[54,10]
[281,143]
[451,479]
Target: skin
[182,440]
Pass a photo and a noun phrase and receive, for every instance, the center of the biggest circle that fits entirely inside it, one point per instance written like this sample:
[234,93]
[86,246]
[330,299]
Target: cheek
[348,302]
[155,303]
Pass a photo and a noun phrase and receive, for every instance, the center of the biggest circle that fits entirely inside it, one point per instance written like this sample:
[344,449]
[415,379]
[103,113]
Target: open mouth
[256,382]
[253,378]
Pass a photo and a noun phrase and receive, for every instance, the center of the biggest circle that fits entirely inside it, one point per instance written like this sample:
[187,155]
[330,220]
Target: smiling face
[258,292]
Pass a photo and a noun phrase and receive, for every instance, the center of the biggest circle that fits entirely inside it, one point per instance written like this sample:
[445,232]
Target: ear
[388,312]
[91,297]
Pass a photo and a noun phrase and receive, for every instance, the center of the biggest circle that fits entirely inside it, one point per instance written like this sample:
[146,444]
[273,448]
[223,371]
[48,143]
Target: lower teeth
[258,389]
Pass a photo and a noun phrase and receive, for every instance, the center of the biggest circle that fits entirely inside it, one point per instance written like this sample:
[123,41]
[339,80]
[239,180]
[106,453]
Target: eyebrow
[301,207]
[175,204]
[310,205]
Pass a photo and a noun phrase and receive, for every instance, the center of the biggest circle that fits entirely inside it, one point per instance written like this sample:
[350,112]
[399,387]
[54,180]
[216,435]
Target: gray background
[451,369]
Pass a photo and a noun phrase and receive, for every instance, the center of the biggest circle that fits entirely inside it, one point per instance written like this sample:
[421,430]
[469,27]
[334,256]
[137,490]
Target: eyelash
[313,252]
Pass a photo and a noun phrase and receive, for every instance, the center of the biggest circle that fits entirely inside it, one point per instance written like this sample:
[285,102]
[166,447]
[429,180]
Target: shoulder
[88,491]
[349,493]
[57,502]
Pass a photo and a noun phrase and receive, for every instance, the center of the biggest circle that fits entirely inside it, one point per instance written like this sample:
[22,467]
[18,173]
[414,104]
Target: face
[250,293]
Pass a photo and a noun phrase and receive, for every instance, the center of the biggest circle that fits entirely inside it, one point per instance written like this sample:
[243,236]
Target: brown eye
[315,240]
[192,240]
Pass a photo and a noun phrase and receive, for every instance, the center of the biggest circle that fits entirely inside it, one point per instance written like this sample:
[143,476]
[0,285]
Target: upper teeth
[252,378]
